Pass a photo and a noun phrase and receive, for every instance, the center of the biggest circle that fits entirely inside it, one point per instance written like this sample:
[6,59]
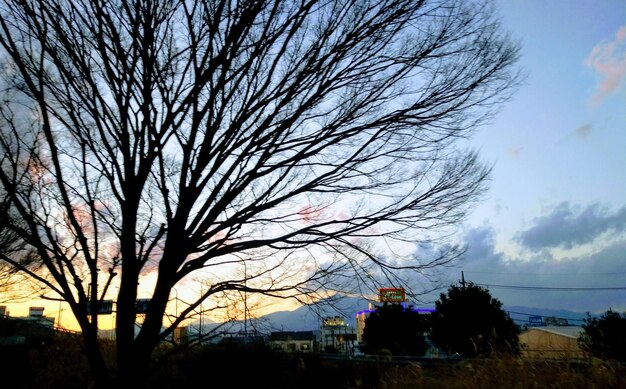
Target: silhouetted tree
[13,286]
[396,329]
[470,322]
[264,145]
[605,337]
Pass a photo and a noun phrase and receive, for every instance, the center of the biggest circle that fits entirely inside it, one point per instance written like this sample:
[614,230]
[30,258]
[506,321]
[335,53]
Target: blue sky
[555,215]
[556,211]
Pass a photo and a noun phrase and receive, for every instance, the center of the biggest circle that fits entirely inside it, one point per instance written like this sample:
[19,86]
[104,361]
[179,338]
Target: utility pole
[200,330]
[59,316]
[463,280]
[245,302]
[175,302]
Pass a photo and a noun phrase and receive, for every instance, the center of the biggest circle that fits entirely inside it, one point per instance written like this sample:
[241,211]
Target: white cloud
[606,267]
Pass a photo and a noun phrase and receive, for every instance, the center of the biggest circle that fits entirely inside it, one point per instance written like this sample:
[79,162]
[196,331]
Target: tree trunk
[97,365]
[125,323]
[134,370]
[134,357]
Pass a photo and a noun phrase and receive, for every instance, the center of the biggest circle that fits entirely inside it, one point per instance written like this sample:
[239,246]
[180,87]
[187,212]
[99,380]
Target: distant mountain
[304,318]
[308,317]
[521,314]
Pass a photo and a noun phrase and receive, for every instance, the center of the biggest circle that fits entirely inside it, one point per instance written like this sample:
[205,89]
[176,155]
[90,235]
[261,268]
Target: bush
[605,337]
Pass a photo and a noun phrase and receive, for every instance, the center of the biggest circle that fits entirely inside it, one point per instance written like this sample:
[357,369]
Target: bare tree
[269,145]
[14,287]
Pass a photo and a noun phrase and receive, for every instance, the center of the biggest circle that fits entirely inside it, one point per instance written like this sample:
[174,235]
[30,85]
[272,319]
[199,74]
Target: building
[551,342]
[555,321]
[292,341]
[336,335]
[181,334]
[26,331]
[242,338]
[360,323]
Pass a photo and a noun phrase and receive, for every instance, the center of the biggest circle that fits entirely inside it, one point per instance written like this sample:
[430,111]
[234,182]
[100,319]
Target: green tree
[262,146]
[397,329]
[605,337]
[470,322]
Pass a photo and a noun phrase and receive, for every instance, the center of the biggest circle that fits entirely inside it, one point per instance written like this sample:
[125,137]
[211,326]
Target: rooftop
[568,331]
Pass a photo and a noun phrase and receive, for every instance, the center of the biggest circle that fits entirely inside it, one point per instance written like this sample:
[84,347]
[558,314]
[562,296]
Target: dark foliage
[605,337]
[471,323]
[396,329]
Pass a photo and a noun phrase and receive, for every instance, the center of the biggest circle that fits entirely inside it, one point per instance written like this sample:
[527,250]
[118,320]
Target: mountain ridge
[309,317]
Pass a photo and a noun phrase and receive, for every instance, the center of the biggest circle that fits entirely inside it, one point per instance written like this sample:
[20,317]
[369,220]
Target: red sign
[391,295]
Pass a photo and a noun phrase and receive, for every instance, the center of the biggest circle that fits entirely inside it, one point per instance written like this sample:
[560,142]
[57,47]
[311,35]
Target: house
[551,342]
[292,341]
[26,330]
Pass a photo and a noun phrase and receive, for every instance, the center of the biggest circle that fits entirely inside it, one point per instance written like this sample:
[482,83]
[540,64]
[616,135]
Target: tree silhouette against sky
[266,147]
[605,337]
[396,329]
[469,322]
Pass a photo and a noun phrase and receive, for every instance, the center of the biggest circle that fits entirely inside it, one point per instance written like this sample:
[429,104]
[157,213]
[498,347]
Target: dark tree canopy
[396,329]
[605,337]
[268,147]
[470,322]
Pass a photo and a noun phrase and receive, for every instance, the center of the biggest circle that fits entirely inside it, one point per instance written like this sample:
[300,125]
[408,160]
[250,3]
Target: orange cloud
[516,152]
[310,214]
[608,59]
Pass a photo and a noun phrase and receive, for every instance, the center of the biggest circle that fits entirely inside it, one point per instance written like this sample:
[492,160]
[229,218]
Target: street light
[201,309]
[245,301]
[175,302]
[60,310]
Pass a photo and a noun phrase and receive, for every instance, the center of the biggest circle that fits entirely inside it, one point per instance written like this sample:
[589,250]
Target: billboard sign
[105,307]
[141,305]
[35,311]
[391,295]
[535,321]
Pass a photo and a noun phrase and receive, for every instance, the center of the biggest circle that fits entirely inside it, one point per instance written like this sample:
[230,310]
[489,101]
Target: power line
[564,289]
[547,274]
[543,316]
